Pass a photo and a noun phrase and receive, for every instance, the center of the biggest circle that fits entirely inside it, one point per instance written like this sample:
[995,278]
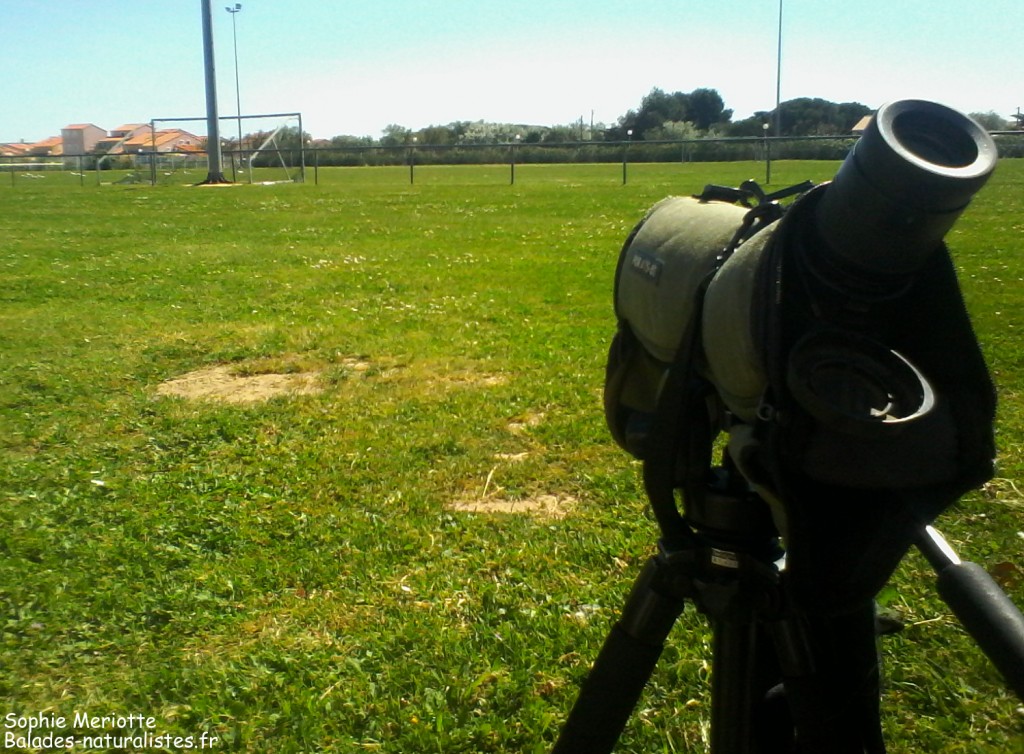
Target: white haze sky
[355,67]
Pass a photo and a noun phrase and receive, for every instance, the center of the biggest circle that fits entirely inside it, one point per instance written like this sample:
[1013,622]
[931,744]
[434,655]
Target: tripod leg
[749,713]
[835,706]
[622,669]
[732,687]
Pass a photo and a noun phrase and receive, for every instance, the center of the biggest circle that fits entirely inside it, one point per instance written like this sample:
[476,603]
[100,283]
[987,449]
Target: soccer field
[324,468]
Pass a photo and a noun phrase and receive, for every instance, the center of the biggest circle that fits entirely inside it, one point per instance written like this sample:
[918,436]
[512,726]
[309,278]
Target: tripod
[783,678]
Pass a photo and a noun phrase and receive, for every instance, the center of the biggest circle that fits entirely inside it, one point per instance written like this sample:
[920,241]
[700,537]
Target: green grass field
[301,574]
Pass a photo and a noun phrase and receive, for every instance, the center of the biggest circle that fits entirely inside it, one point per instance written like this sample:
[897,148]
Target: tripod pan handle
[989,616]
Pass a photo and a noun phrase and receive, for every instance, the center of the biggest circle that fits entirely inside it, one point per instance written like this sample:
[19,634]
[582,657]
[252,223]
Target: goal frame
[297,115]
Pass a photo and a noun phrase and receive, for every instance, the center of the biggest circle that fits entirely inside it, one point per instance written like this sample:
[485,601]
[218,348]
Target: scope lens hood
[856,386]
[927,154]
[903,186]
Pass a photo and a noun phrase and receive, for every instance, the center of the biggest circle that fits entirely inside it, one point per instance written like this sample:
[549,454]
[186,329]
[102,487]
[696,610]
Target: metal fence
[153,168]
[296,165]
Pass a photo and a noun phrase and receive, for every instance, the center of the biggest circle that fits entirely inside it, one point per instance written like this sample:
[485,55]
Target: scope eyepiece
[857,386]
[902,187]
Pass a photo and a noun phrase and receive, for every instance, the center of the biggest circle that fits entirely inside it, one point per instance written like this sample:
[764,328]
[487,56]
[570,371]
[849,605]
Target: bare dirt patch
[511,457]
[355,364]
[465,378]
[224,383]
[523,424]
[543,506]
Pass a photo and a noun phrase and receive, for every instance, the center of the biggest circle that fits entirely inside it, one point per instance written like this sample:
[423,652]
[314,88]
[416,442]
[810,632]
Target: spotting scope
[821,331]
[828,338]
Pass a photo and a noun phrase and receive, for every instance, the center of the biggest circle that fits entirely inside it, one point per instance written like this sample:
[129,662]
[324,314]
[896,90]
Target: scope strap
[764,213]
[681,436]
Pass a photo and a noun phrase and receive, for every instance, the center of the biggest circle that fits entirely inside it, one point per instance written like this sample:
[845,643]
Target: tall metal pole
[214,174]
[238,91]
[778,79]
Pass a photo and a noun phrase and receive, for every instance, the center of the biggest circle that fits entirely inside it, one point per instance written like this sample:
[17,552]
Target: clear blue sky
[355,67]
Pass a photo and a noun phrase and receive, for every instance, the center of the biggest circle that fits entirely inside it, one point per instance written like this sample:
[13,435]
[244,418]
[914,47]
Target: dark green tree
[991,121]
[351,141]
[804,116]
[703,107]
[395,135]
[706,108]
[807,116]
[436,135]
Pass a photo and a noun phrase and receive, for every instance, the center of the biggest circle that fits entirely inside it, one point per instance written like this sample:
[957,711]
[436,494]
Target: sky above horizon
[355,68]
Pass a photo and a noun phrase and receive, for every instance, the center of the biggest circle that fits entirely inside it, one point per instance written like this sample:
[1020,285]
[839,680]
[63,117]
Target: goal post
[267,148]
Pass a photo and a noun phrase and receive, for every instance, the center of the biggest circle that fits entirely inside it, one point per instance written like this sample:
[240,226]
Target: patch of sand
[221,383]
[543,506]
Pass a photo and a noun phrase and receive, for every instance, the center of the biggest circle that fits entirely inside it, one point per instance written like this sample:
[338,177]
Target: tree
[558,134]
[991,121]
[436,135]
[807,116]
[351,141]
[804,116]
[395,135]
[706,109]
[673,130]
[752,126]
[702,107]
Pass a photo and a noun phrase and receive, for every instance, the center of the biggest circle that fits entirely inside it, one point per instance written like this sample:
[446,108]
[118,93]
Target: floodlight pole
[238,90]
[778,79]
[214,174]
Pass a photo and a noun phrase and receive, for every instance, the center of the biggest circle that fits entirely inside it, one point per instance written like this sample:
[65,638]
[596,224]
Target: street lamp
[512,166]
[767,156]
[625,154]
[412,160]
[238,96]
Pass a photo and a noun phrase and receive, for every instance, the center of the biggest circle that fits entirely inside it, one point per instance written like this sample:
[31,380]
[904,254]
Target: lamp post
[238,92]
[625,154]
[512,164]
[412,160]
[767,156]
